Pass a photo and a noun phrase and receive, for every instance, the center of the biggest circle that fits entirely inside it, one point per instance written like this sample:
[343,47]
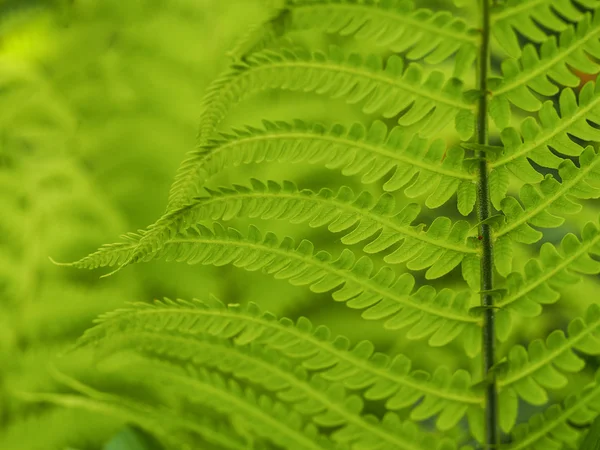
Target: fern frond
[213,391]
[554,64]
[108,255]
[545,204]
[372,152]
[173,327]
[160,421]
[553,132]
[529,16]
[273,421]
[389,88]
[553,269]
[529,372]
[326,404]
[375,221]
[553,429]
[395,25]
[392,90]
[442,316]
[262,35]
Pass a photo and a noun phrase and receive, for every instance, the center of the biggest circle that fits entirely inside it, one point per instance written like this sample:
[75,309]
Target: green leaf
[529,18]
[540,141]
[592,439]
[389,88]
[558,63]
[381,294]
[420,34]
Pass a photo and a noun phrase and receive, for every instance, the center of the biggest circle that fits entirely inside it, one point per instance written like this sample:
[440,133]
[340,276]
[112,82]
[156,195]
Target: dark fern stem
[484,208]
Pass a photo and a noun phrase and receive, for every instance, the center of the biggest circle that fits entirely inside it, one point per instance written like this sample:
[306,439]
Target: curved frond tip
[396,25]
[442,316]
[251,343]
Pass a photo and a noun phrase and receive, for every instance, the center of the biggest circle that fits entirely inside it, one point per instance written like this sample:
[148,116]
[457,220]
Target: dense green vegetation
[331,150]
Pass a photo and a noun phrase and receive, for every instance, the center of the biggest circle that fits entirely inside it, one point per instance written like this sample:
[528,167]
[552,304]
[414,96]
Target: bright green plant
[440,130]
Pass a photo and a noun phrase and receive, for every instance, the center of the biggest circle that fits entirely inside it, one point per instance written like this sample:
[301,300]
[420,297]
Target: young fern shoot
[435,139]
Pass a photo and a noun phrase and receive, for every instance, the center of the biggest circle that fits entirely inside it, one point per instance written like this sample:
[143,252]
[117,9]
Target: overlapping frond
[559,425]
[530,17]
[545,204]
[109,255]
[543,73]
[261,35]
[362,218]
[389,88]
[552,133]
[172,329]
[257,413]
[372,152]
[270,419]
[158,421]
[529,373]
[390,91]
[440,316]
[555,268]
[396,25]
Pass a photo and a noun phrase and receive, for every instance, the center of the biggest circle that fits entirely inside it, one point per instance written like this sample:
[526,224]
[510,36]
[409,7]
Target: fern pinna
[453,188]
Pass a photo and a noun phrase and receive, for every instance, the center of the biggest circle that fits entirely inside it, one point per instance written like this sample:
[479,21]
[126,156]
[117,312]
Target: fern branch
[314,348]
[341,211]
[397,25]
[552,427]
[543,209]
[258,413]
[525,15]
[273,421]
[554,132]
[486,278]
[555,62]
[392,90]
[529,371]
[552,270]
[373,152]
[545,204]
[326,404]
[382,294]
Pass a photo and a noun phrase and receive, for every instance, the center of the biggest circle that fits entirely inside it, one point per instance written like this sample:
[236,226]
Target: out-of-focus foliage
[99,103]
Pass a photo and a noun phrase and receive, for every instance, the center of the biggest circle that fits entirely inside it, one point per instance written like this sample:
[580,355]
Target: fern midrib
[344,206]
[553,132]
[365,73]
[513,11]
[251,410]
[327,268]
[327,347]
[543,68]
[299,384]
[398,16]
[550,273]
[564,188]
[533,367]
[556,421]
[349,143]
[120,248]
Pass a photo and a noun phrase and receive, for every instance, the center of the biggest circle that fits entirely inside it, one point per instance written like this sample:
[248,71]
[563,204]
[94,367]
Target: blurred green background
[99,103]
